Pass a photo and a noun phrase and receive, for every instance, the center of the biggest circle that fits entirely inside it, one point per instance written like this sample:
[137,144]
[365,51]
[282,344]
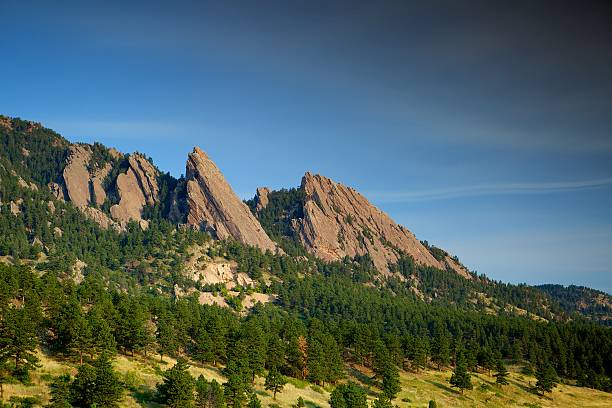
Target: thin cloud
[489,190]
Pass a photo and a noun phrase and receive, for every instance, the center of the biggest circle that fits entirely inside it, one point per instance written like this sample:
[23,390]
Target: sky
[483,127]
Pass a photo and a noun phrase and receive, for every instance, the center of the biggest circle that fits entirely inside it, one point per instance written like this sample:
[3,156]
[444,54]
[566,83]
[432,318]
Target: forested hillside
[84,293]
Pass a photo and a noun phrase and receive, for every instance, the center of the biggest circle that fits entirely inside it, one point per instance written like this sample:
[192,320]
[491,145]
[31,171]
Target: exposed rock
[51,207]
[57,190]
[57,231]
[137,187]
[207,298]
[261,198]
[101,218]
[115,154]
[214,207]
[6,122]
[77,271]
[76,175]
[16,207]
[97,190]
[457,267]
[339,222]
[25,152]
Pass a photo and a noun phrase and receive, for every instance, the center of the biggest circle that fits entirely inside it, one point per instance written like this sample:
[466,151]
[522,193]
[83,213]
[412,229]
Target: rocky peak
[214,207]
[261,198]
[136,188]
[339,222]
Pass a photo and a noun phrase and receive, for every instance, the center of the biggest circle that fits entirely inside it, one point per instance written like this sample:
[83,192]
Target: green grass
[142,374]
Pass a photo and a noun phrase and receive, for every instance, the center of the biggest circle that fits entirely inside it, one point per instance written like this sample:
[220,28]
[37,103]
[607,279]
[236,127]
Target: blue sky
[484,128]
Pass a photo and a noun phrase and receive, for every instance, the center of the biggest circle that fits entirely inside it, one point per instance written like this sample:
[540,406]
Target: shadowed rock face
[339,222]
[213,205]
[136,187]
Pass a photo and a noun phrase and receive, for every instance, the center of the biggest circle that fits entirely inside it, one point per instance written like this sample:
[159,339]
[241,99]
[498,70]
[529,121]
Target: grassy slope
[417,389]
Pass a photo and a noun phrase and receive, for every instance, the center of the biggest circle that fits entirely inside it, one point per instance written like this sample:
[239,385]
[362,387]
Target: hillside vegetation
[124,306]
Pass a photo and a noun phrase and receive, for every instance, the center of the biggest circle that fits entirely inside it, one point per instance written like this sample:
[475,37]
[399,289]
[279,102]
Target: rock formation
[136,187]
[76,175]
[339,222]
[214,207]
[261,198]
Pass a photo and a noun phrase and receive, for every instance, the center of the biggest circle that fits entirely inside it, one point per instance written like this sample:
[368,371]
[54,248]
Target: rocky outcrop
[136,188]
[76,175]
[339,222]
[97,190]
[261,198]
[214,207]
[57,190]
[101,218]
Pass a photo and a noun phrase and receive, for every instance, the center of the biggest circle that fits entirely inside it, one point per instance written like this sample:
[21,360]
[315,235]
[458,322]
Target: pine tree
[275,381]
[176,391]
[391,381]
[348,395]
[108,389]
[419,356]
[235,390]
[209,394]
[60,392]
[96,385]
[166,336]
[18,339]
[546,378]
[254,402]
[461,377]
[501,373]
[441,351]
[300,403]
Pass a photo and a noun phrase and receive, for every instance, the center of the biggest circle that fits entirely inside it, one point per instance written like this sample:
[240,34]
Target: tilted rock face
[213,205]
[136,188]
[339,222]
[81,187]
[76,175]
[261,198]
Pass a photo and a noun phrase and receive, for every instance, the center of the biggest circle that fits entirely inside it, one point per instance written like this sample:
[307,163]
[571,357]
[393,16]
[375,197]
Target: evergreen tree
[440,353]
[235,390]
[348,395]
[486,359]
[391,381]
[275,381]
[501,373]
[166,336]
[96,385]
[18,339]
[177,388]
[300,403]
[432,404]
[254,402]
[60,392]
[208,394]
[419,356]
[546,378]
[461,377]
